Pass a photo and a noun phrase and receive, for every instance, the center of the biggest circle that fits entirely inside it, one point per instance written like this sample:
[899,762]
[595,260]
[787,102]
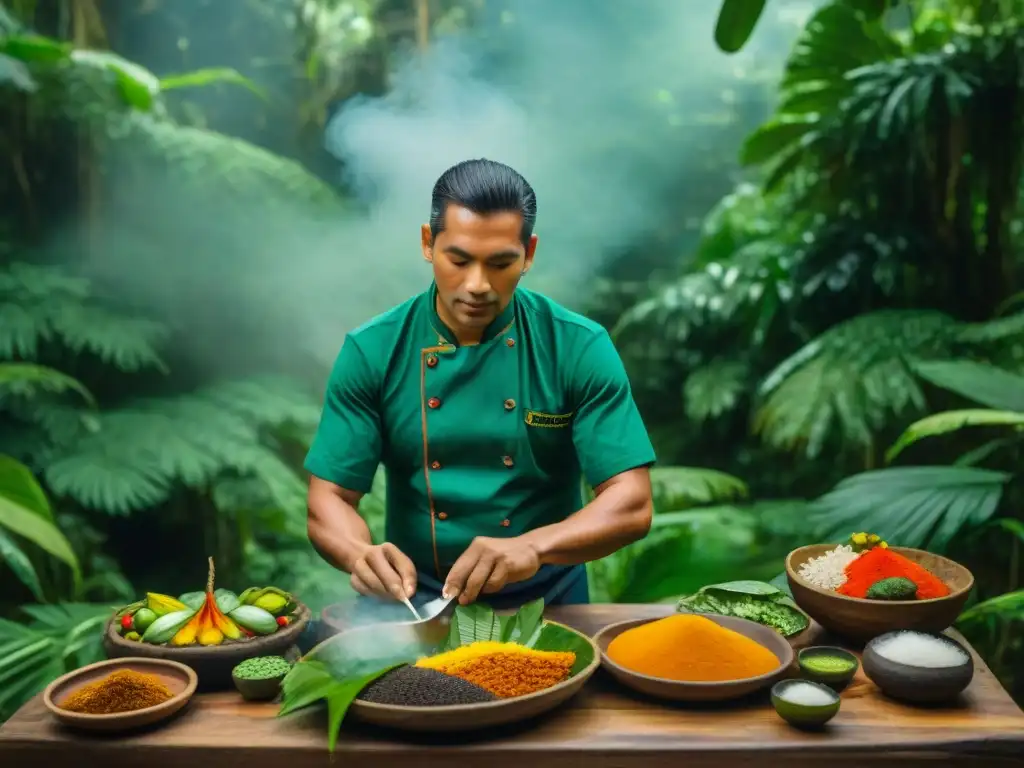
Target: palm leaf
[715,389]
[951,421]
[17,561]
[922,507]
[979,382]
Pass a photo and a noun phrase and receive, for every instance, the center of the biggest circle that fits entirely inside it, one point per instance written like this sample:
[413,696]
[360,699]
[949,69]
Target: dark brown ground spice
[418,687]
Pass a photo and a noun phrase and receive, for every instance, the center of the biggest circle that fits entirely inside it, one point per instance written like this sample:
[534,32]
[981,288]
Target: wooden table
[603,727]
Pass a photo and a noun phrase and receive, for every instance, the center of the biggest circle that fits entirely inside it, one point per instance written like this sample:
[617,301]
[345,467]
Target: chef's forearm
[336,530]
[619,515]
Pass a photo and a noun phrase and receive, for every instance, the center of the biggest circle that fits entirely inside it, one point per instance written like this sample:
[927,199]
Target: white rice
[828,570]
[917,650]
[805,695]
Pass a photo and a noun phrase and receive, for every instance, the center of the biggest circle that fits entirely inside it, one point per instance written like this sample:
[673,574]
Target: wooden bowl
[675,690]
[212,663]
[180,679]
[464,718]
[918,685]
[859,619]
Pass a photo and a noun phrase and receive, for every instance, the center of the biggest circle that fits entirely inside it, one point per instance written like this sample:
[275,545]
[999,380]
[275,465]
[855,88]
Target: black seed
[419,687]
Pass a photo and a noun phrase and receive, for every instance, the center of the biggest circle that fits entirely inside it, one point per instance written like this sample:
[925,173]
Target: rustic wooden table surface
[604,726]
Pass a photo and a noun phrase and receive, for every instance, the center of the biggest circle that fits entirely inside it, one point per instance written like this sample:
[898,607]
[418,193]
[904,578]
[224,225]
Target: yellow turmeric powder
[504,669]
[690,648]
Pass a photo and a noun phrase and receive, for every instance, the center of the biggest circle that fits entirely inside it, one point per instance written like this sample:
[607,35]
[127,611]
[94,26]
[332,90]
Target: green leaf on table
[525,626]
[340,698]
[473,624]
[306,683]
[553,637]
[753,600]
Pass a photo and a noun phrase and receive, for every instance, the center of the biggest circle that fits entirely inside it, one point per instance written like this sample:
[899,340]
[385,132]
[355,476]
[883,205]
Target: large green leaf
[17,561]
[985,384]
[776,136]
[951,421]
[137,85]
[24,511]
[923,507]
[15,72]
[200,78]
[736,22]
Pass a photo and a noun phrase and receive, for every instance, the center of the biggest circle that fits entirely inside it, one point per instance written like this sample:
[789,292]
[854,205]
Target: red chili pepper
[126,621]
[282,621]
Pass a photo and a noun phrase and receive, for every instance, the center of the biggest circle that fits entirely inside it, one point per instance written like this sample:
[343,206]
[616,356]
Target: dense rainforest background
[805,235]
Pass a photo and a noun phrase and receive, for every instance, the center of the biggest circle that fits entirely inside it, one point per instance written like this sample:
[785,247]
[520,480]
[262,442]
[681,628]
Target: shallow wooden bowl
[860,619]
[675,690]
[179,679]
[212,663]
[464,718]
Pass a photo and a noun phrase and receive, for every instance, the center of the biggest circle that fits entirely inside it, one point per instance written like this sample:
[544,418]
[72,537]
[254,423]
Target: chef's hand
[382,570]
[488,565]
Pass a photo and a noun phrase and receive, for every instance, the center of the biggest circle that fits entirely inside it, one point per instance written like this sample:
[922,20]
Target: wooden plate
[180,679]
[675,690]
[212,663]
[474,717]
[859,619]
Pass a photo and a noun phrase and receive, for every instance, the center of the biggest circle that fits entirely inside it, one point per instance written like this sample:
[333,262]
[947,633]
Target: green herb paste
[827,663]
[262,668]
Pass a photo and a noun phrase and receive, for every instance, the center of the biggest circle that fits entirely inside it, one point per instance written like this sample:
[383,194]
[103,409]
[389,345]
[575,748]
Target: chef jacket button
[435,465]
[507,461]
[434,402]
[510,404]
[506,523]
[510,342]
[431,361]
[442,515]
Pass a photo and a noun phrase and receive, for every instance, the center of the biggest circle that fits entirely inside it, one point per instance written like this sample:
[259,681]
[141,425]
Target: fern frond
[39,303]
[238,167]
[26,379]
[715,389]
[852,379]
[269,401]
[676,488]
[139,452]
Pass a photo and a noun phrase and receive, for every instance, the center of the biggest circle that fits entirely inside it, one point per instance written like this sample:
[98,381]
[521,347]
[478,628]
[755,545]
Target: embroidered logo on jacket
[538,419]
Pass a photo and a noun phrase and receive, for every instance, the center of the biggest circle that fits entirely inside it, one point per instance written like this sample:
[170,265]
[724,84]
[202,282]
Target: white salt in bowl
[859,619]
[918,667]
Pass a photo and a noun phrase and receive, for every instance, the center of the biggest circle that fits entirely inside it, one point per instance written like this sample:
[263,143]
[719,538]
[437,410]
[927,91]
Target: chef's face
[478,262]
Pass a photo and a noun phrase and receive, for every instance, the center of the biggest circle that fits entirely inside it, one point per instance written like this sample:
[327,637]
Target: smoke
[624,116]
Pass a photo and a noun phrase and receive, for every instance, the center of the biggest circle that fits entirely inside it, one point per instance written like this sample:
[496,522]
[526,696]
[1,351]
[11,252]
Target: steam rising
[608,108]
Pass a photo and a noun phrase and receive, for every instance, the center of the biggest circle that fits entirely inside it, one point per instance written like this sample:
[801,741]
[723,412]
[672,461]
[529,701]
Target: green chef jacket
[482,440]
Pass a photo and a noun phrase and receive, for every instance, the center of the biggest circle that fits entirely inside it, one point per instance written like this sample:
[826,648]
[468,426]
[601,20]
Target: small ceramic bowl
[258,689]
[917,685]
[804,715]
[836,679]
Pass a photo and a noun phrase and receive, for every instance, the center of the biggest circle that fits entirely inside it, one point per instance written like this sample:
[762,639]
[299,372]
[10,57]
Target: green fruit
[271,603]
[254,619]
[166,626]
[226,600]
[142,619]
[193,600]
[132,636]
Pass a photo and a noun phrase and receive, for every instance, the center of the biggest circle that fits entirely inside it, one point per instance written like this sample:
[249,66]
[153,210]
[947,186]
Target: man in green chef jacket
[486,403]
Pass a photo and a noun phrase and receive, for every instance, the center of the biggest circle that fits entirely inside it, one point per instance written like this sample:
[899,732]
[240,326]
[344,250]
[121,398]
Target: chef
[486,403]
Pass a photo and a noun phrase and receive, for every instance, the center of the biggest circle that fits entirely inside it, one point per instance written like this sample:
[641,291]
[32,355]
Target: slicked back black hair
[483,186]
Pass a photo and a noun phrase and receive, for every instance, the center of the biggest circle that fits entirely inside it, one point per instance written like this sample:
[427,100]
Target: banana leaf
[339,681]
[754,600]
